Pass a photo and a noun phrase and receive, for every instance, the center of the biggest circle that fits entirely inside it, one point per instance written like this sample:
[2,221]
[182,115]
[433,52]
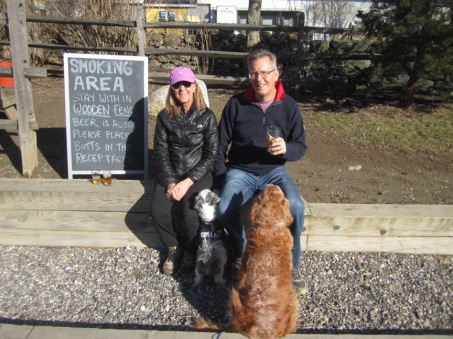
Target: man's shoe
[299,282]
[188,263]
[235,267]
[171,263]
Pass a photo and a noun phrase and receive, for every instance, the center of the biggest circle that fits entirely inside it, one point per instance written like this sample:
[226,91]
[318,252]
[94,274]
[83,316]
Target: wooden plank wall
[63,212]
[380,228]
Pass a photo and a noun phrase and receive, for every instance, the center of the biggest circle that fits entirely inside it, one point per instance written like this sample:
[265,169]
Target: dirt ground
[334,170]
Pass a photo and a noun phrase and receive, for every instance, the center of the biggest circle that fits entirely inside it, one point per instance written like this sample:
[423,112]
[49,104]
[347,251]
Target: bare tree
[253,18]
[329,13]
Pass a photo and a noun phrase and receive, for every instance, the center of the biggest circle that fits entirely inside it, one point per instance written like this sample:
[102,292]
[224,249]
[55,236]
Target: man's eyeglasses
[186,84]
[263,75]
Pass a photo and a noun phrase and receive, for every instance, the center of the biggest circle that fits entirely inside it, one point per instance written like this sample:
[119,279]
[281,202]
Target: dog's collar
[211,234]
[210,229]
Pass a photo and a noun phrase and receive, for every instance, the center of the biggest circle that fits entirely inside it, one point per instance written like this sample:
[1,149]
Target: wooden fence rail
[141,28]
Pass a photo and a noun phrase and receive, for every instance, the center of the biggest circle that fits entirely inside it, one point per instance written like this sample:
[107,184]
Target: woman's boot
[171,263]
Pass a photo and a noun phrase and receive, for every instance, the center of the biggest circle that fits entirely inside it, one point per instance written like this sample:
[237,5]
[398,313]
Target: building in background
[318,13]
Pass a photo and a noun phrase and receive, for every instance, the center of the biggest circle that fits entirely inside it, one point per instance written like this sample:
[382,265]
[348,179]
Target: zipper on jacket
[264,112]
[184,115]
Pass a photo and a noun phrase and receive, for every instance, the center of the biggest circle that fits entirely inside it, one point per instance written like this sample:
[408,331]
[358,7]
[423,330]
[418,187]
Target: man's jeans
[239,186]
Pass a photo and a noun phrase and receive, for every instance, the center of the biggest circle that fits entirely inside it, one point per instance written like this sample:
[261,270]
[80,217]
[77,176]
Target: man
[249,164]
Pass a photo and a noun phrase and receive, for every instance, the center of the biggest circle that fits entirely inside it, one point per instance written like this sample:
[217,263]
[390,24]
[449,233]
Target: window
[163,16]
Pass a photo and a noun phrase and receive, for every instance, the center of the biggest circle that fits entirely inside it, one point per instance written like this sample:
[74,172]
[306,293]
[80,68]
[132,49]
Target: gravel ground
[122,288]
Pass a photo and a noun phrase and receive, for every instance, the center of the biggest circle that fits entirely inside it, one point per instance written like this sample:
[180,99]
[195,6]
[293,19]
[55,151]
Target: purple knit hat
[181,74]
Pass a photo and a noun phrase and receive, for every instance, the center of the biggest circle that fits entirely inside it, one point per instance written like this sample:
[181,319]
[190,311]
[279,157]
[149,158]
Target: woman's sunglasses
[186,84]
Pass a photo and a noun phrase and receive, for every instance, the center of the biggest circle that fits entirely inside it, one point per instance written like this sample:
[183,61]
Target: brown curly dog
[264,302]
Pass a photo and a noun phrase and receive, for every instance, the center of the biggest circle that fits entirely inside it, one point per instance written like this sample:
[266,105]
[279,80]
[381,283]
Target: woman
[185,145]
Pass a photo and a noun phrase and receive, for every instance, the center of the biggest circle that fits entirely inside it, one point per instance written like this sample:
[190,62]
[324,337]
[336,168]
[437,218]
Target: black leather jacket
[185,147]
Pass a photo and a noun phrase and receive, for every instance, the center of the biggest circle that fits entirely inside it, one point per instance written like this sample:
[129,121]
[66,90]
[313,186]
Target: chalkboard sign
[106,100]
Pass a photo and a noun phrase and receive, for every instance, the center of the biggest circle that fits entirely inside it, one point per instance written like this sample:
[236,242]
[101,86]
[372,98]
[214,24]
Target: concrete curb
[9,331]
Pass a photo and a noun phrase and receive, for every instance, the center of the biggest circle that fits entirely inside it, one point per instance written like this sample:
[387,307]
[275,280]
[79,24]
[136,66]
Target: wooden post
[300,49]
[139,18]
[18,37]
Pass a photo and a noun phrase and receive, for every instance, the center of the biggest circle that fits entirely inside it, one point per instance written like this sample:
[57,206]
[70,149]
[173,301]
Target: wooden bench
[74,212]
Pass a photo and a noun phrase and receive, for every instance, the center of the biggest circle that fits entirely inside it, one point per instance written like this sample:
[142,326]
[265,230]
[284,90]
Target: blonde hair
[173,106]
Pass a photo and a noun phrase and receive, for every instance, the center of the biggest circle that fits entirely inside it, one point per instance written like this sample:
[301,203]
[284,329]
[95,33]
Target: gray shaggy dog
[211,254]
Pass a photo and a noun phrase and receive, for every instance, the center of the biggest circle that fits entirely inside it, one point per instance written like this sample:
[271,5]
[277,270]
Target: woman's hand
[169,190]
[180,189]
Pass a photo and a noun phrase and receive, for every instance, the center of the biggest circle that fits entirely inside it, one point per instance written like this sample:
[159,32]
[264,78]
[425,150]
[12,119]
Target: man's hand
[277,146]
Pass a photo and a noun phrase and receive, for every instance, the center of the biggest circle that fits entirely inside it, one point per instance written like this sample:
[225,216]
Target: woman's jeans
[239,186]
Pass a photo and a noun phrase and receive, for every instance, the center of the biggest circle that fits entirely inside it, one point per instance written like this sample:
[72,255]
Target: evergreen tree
[414,36]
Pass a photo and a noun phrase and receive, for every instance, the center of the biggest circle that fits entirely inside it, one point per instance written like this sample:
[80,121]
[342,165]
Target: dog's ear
[212,198]
[274,193]
[198,202]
